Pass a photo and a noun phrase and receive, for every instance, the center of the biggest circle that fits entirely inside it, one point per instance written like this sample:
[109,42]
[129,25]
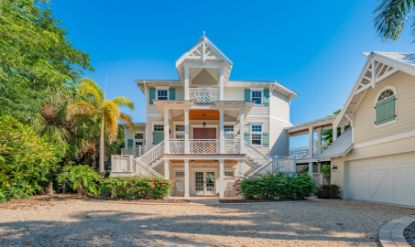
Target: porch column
[186,131]
[319,143]
[166,131]
[166,169]
[310,142]
[221,84]
[342,130]
[241,131]
[221,179]
[186,82]
[186,179]
[221,132]
[310,169]
[334,133]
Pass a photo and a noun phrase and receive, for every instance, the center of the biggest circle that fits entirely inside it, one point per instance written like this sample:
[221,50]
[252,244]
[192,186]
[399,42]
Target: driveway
[76,222]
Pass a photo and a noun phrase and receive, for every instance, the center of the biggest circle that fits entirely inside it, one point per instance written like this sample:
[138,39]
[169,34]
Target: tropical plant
[391,16]
[281,186]
[93,105]
[328,134]
[329,192]
[27,160]
[80,178]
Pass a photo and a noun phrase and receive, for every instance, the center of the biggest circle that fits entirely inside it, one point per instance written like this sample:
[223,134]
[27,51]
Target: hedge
[281,186]
[329,192]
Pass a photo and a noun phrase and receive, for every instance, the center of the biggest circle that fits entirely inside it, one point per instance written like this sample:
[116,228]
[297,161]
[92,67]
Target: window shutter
[265,139]
[385,110]
[247,137]
[172,93]
[152,95]
[247,95]
[130,143]
[158,136]
[266,97]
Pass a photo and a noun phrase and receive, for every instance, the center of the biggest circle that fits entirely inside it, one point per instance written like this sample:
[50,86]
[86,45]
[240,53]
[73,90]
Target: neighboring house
[204,131]
[374,157]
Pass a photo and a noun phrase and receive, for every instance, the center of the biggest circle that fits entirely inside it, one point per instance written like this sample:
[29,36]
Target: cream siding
[365,127]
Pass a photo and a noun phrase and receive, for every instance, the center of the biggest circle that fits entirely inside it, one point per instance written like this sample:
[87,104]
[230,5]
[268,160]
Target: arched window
[385,107]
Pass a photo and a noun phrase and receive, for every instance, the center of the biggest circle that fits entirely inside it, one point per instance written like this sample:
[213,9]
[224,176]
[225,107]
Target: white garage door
[388,179]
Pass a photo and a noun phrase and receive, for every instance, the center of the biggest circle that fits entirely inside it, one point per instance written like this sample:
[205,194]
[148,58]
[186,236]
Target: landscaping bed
[409,234]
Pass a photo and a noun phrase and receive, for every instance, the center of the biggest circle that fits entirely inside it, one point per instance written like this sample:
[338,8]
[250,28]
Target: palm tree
[93,105]
[391,16]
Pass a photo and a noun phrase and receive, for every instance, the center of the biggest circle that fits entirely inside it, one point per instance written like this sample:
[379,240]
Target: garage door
[388,179]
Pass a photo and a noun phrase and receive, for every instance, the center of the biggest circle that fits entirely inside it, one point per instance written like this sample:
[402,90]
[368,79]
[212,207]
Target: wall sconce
[334,168]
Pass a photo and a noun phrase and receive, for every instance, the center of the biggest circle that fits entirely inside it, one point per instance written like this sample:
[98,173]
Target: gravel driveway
[76,222]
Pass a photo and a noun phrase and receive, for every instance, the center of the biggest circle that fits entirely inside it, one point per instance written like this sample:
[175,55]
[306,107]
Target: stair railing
[144,162]
[255,155]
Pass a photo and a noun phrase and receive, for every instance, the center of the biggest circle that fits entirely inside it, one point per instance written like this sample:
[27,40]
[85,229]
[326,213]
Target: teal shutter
[247,137]
[158,136]
[266,97]
[130,143]
[247,95]
[385,110]
[172,93]
[152,95]
[265,139]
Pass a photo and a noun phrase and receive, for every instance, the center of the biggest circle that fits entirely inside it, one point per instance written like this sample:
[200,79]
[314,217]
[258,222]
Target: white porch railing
[152,155]
[135,151]
[204,146]
[255,155]
[204,95]
[304,152]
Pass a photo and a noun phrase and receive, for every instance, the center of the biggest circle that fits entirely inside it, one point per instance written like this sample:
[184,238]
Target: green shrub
[80,178]
[281,186]
[329,192]
[135,188]
[27,160]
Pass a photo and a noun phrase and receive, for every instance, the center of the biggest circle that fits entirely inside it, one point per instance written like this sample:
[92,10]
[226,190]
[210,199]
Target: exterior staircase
[146,163]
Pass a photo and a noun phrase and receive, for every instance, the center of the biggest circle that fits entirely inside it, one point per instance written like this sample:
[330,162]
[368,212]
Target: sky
[315,48]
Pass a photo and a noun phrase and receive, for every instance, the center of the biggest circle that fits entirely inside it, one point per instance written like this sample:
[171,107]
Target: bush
[27,160]
[135,188]
[329,192]
[80,178]
[279,186]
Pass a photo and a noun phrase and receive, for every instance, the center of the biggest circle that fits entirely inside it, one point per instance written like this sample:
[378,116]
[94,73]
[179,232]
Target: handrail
[255,155]
[148,169]
[152,154]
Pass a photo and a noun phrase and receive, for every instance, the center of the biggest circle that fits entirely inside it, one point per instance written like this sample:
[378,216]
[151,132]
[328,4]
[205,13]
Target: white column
[186,179]
[310,169]
[342,130]
[186,82]
[186,130]
[241,164]
[221,132]
[310,142]
[241,130]
[334,133]
[319,140]
[221,178]
[166,169]
[166,131]
[221,84]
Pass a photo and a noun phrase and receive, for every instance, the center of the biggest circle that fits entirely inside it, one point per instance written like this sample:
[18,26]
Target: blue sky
[312,47]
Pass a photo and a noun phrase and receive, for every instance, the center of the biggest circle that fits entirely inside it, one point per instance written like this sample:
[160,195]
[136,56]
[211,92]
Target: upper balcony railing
[304,152]
[204,146]
[204,95]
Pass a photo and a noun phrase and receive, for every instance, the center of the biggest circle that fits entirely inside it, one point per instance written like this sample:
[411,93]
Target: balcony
[204,95]
[204,146]
[302,153]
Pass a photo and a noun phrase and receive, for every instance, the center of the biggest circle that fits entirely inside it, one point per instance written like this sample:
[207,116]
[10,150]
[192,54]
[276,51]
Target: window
[179,130]
[140,143]
[228,129]
[228,173]
[139,136]
[385,107]
[179,174]
[256,97]
[162,94]
[256,134]
[158,127]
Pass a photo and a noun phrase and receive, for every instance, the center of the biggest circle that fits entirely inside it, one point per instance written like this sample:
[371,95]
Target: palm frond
[81,108]
[111,114]
[127,120]
[124,101]
[89,88]
[391,17]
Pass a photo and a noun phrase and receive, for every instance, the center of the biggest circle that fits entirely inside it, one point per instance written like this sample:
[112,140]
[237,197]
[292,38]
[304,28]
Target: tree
[328,134]
[93,105]
[391,16]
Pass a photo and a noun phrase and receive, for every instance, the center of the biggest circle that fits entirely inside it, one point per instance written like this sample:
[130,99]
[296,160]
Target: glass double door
[204,183]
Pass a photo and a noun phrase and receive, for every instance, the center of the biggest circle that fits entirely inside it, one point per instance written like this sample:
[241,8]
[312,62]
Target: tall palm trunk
[101,149]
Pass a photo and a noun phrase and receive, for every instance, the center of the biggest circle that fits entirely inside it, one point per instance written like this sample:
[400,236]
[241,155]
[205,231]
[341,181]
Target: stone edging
[391,234]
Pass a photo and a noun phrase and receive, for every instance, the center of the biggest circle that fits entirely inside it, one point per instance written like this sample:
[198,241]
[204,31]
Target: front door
[204,133]
[204,183]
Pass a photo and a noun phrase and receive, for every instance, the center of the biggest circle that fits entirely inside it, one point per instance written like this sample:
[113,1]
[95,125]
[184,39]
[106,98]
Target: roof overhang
[303,128]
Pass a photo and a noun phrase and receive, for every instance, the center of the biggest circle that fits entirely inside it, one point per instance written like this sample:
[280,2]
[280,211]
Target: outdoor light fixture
[334,168]
[204,120]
